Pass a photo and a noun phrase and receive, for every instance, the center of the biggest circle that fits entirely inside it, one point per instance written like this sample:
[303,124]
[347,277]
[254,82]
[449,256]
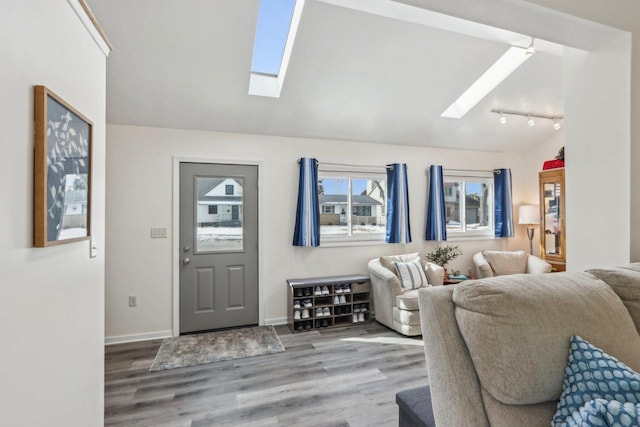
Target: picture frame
[62,171]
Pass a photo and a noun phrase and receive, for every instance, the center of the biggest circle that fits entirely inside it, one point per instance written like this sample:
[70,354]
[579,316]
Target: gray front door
[218,246]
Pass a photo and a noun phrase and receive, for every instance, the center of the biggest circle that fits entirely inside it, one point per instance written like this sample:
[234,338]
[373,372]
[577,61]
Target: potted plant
[443,254]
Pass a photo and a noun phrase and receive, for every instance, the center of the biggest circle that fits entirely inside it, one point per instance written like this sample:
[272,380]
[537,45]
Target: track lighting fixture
[531,49]
[530,117]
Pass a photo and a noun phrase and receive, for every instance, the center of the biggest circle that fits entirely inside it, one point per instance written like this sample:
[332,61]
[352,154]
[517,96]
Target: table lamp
[529,215]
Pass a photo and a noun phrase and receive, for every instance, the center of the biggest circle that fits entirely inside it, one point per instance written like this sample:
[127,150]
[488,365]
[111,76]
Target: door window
[219,207]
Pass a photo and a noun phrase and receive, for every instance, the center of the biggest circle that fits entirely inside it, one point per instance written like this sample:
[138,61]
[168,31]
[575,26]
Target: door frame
[175,242]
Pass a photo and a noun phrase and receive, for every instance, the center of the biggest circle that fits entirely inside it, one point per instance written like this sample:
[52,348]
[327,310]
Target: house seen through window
[352,206]
[469,203]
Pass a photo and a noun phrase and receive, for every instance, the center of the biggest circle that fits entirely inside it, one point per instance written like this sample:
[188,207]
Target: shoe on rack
[297,292]
[338,289]
[307,303]
[336,300]
[317,292]
[361,317]
[363,308]
[325,290]
[305,314]
[326,311]
[346,289]
[299,326]
[343,299]
[319,312]
[296,304]
[325,323]
[307,325]
[355,318]
[296,315]
[307,292]
[356,308]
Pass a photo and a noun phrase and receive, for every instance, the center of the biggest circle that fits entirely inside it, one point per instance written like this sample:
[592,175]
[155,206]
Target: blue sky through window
[274,20]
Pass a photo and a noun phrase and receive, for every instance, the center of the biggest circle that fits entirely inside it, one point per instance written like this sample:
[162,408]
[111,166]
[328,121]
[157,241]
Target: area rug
[199,349]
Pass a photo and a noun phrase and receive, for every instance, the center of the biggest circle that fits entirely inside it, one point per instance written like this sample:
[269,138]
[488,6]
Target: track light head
[556,124]
[503,118]
[530,122]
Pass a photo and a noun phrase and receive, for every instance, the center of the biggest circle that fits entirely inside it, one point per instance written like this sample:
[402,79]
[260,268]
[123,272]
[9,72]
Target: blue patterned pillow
[597,387]
[411,274]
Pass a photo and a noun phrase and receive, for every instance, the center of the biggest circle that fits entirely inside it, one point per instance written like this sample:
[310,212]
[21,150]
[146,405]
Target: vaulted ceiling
[353,75]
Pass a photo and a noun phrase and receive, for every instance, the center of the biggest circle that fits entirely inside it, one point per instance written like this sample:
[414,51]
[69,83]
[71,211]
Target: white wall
[139,175]
[51,299]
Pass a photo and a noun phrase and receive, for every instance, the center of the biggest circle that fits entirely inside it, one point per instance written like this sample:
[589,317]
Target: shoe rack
[328,302]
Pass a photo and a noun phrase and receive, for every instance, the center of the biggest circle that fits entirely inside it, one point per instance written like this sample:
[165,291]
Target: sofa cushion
[593,374]
[411,274]
[408,300]
[506,262]
[406,317]
[517,330]
[388,261]
[626,283]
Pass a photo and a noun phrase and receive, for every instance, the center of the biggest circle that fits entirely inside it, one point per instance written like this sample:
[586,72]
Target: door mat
[199,349]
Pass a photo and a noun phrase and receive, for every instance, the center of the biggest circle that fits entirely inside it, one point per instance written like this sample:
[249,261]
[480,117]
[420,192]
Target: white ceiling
[352,75]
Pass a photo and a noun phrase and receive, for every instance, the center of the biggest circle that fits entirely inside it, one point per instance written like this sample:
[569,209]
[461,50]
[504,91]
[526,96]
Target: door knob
[186,261]
[186,249]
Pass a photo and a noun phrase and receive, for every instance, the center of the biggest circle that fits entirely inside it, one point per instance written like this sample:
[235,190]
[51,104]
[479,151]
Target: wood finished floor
[331,377]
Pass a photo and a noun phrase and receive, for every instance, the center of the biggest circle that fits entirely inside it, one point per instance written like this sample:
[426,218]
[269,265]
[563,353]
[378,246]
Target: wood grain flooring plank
[325,378]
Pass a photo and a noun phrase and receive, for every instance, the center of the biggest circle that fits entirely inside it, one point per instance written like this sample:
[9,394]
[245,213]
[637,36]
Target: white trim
[276,321]
[147,336]
[90,26]
[176,233]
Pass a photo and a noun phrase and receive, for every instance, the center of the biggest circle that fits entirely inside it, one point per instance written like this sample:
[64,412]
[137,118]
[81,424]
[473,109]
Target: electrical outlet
[158,233]
[133,301]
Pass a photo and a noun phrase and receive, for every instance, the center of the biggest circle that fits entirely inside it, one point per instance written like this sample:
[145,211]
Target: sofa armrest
[483,269]
[385,287]
[536,265]
[455,389]
[436,277]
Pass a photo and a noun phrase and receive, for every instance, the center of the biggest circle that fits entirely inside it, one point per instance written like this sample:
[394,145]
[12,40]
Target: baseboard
[148,336]
[276,321]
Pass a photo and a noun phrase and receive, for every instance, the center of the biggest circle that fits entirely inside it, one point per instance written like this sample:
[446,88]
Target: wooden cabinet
[553,233]
[328,302]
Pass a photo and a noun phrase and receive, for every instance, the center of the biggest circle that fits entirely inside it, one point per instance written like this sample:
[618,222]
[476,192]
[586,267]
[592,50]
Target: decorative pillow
[506,262]
[601,412]
[389,261]
[411,274]
[593,375]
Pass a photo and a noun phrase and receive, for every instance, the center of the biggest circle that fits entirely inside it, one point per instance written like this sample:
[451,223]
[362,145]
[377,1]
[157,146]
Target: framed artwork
[62,171]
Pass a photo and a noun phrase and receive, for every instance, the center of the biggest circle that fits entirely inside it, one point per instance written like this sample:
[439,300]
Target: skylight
[278,22]
[500,70]
[274,21]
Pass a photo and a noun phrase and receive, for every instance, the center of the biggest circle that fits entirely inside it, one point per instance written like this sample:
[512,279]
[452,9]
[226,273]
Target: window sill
[469,238]
[351,242]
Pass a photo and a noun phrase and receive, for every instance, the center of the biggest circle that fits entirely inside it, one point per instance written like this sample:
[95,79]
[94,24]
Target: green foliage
[443,254]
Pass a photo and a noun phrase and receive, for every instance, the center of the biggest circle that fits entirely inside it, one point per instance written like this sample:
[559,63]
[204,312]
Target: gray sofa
[496,348]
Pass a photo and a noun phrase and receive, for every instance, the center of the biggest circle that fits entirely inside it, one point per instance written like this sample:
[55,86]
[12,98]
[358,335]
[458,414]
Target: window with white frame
[352,206]
[468,200]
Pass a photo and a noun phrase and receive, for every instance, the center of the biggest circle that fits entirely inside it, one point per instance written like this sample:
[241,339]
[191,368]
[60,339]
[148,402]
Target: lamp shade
[529,214]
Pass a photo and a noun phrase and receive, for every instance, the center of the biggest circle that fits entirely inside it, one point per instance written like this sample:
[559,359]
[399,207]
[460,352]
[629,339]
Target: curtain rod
[349,165]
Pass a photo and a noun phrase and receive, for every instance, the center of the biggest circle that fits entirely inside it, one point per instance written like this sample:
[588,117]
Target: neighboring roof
[332,199]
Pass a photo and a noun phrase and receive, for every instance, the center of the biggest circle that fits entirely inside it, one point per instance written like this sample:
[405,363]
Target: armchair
[395,307]
[499,263]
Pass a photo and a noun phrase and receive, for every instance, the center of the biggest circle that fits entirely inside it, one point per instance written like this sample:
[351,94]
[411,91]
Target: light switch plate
[93,248]
[158,233]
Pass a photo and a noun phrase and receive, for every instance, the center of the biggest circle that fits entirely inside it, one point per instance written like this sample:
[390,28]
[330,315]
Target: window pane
[333,206]
[477,208]
[219,214]
[452,205]
[368,197]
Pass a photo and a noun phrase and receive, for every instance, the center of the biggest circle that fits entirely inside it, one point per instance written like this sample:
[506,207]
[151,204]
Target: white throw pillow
[411,274]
